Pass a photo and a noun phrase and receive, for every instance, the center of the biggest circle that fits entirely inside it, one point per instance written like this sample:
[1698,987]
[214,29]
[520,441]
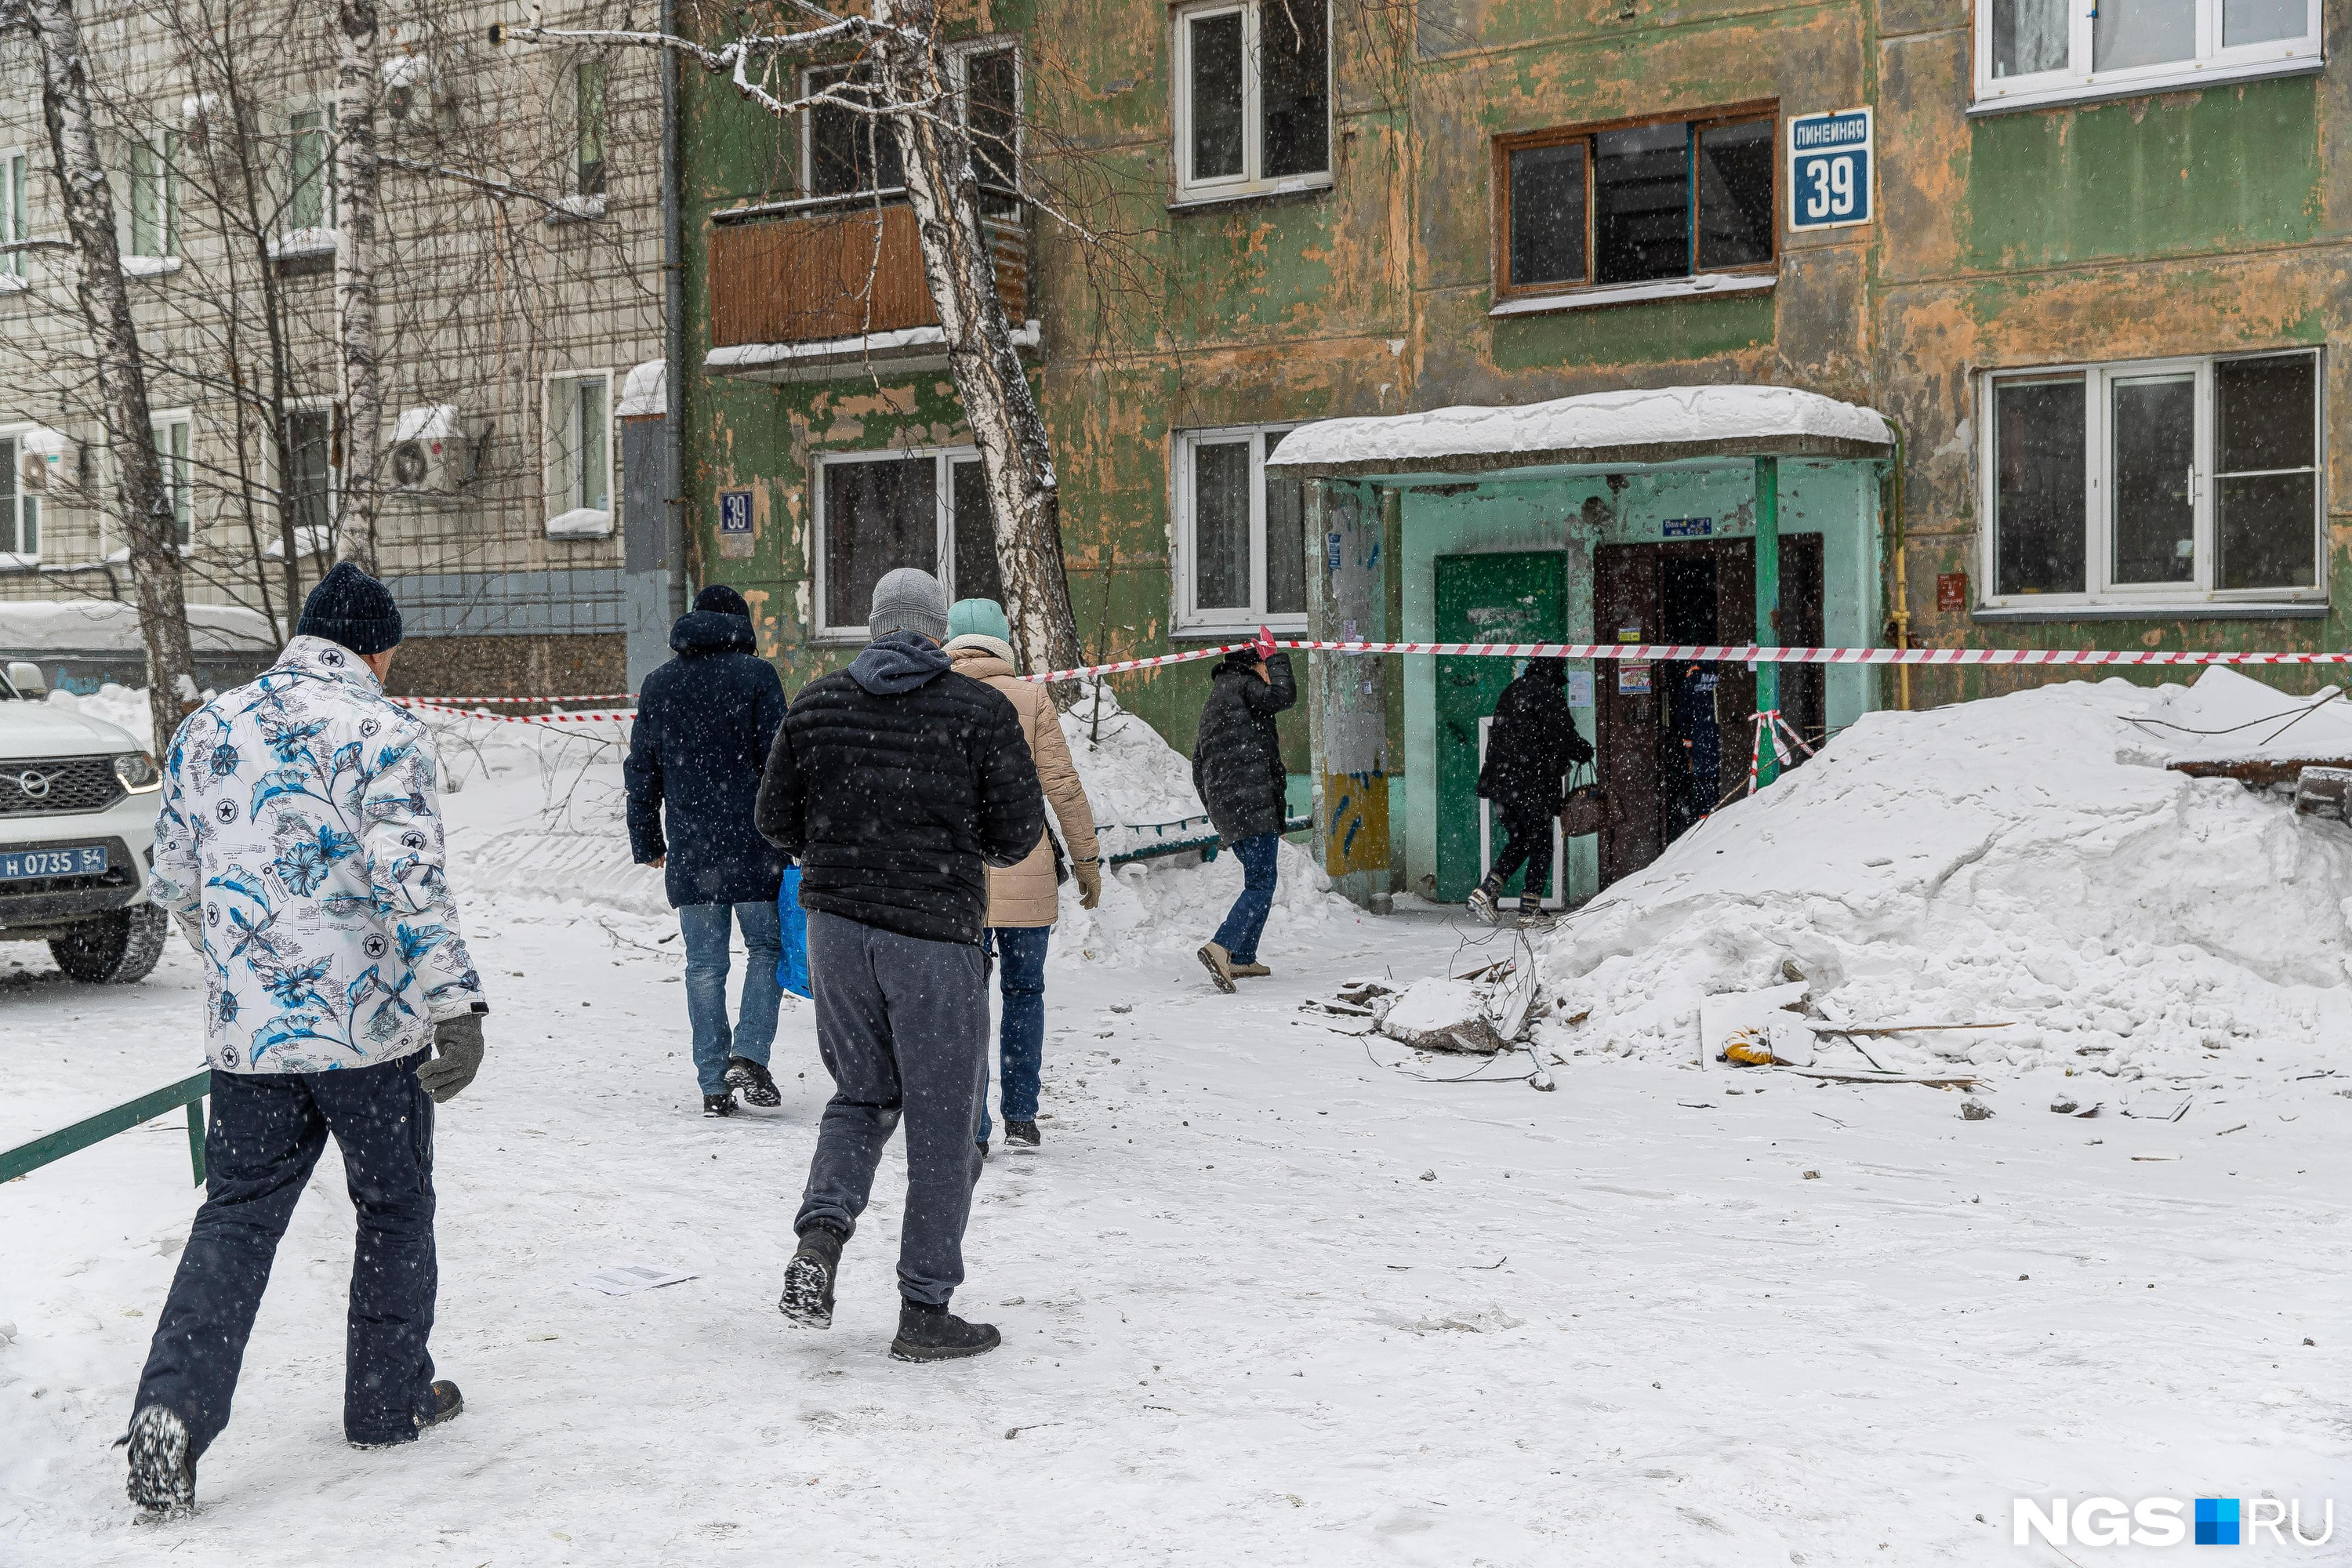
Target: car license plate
[74,861]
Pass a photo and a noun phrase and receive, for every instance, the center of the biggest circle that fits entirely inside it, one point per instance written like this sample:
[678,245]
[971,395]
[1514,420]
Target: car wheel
[121,949]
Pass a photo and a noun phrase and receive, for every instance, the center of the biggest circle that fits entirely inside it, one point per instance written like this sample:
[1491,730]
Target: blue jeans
[1020,954]
[1238,936]
[265,1134]
[706,928]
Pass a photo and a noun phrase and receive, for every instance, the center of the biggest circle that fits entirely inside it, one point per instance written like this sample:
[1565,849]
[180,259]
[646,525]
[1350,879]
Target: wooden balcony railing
[817,274]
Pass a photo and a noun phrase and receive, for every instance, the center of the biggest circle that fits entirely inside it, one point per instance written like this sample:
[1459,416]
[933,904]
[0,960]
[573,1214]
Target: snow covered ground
[1269,1293]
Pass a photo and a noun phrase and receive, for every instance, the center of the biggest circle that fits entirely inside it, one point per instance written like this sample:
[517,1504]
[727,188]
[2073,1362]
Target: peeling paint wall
[2176,224]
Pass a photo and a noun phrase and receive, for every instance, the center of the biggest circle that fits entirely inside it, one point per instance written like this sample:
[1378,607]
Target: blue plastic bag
[792,967]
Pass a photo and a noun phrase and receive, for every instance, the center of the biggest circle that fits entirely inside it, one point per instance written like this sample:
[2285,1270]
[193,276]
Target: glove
[1263,644]
[1089,875]
[457,1056]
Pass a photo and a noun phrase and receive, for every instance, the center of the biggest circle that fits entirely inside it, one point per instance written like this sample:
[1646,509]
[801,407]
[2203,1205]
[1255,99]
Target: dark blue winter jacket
[705,723]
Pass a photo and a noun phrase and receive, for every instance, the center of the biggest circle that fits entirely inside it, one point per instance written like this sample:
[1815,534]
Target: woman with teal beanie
[1025,899]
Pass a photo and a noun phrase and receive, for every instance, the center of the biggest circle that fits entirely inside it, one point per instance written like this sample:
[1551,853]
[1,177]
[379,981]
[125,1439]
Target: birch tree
[141,494]
[359,84]
[911,88]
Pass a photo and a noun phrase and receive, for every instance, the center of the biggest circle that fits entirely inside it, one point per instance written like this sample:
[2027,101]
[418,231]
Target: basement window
[1240,538]
[2033,52]
[2168,484]
[1628,207]
[878,511]
[1253,107]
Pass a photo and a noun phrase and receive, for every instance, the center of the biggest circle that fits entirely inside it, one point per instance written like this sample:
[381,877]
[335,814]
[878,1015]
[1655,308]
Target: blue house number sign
[734,511]
[1830,167]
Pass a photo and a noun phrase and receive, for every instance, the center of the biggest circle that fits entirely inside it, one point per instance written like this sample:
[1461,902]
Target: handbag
[1589,807]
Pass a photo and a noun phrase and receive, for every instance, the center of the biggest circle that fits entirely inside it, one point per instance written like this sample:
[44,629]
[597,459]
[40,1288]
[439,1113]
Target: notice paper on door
[1634,676]
[628,1278]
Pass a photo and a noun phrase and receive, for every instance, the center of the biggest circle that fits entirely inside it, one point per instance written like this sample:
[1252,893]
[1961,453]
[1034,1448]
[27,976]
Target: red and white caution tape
[476,701]
[1693,653]
[614,716]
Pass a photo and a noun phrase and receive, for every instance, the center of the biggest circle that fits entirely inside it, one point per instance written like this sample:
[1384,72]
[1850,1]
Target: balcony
[801,290]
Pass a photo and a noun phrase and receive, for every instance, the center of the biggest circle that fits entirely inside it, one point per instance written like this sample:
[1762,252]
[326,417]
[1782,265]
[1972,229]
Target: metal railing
[54,1146]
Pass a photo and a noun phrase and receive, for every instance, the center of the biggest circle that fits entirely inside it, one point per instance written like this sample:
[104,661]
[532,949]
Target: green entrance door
[1518,597]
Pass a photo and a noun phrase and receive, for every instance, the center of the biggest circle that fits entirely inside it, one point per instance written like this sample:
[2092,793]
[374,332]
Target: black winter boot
[721,1104]
[163,1481]
[753,1079]
[448,1404]
[933,1333]
[1020,1135]
[808,1279]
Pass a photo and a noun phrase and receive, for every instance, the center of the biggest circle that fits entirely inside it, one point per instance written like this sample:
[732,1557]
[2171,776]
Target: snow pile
[2025,860]
[1134,777]
[124,707]
[81,626]
[1568,429]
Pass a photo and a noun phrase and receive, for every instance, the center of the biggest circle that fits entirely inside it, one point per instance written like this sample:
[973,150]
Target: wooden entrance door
[1646,593]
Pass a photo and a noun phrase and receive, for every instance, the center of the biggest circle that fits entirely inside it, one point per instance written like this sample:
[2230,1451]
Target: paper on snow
[628,1278]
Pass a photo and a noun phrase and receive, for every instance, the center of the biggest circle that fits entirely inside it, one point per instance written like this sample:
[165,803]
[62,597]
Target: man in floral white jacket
[299,844]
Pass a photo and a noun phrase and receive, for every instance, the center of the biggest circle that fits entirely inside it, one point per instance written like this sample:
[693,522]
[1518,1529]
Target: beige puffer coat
[1025,894]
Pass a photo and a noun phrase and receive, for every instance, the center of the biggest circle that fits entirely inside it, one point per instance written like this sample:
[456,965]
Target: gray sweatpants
[902,1025]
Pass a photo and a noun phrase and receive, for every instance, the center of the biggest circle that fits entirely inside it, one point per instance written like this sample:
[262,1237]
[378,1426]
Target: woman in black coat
[1238,768]
[1532,745]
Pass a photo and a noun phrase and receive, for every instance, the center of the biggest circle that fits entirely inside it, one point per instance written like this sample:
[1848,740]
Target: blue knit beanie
[350,607]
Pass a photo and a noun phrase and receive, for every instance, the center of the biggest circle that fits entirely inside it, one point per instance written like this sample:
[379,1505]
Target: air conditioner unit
[409,96]
[433,451]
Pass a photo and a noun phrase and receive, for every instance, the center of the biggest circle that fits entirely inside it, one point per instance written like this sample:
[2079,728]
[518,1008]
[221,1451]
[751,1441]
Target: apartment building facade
[518,267]
[2051,303]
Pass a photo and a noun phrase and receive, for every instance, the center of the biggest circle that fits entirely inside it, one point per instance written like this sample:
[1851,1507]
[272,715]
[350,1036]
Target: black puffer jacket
[1534,740]
[705,722]
[1237,760]
[894,781]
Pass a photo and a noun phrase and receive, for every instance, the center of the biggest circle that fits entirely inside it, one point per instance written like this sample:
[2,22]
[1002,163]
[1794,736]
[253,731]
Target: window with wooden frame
[1636,207]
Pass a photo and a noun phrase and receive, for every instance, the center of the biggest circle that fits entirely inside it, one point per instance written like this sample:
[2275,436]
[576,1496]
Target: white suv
[77,837]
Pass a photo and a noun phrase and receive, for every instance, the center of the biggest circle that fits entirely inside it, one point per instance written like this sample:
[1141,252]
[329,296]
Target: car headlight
[137,772]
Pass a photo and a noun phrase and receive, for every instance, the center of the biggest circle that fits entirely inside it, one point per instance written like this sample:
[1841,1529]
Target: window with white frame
[2160,482]
[580,453]
[1254,98]
[878,511]
[1240,538]
[2051,51]
[309,172]
[156,195]
[21,481]
[16,209]
[846,152]
[588,128]
[309,492]
[172,435]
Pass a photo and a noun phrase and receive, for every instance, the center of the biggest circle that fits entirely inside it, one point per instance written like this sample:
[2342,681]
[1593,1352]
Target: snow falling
[1275,1291]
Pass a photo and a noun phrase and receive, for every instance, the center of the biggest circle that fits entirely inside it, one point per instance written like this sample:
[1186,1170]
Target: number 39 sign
[1829,158]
